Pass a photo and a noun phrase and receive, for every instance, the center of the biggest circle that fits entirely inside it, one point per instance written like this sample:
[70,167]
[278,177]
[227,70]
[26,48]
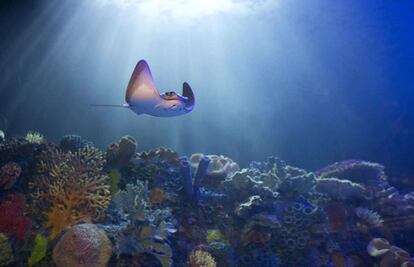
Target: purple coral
[9,174]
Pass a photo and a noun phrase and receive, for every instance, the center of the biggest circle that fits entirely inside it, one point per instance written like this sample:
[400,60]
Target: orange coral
[73,186]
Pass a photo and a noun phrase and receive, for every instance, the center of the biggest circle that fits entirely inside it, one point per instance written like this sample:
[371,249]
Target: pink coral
[9,174]
[84,245]
[12,219]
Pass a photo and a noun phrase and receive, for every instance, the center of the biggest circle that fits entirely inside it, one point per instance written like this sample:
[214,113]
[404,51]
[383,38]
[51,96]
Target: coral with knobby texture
[73,187]
[340,189]
[39,250]
[6,253]
[200,258]
[369,217]
[121,152]
[34,138]
[12,219]
[84,245]
[9,174]
[219,165]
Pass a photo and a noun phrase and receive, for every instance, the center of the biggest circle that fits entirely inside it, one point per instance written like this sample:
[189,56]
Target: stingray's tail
[112,106]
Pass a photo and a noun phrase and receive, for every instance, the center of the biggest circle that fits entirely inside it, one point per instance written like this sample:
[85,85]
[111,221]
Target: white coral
[34,138]
[369,217]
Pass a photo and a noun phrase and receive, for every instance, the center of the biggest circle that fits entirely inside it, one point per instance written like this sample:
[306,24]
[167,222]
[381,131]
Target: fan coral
[9,174]
[199,258]
[84,245]
[6,253]
[39,250]
[73,186]
[12,219]
[34,138]
[369,217]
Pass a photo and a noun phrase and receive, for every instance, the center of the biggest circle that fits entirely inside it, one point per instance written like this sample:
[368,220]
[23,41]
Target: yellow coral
[73,186]
[199,258]
[34,138]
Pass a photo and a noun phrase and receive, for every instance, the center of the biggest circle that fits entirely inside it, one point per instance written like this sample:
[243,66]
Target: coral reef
[72,186]
[155,208]
[13,220]
[9,174]
[84,245]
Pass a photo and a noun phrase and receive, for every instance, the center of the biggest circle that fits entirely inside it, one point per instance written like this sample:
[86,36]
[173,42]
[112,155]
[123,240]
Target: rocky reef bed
[72,205]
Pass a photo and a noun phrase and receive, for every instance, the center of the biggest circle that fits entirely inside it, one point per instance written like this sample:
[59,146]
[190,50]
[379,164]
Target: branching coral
[73,186]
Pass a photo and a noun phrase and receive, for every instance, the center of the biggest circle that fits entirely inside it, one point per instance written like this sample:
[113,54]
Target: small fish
[142,96]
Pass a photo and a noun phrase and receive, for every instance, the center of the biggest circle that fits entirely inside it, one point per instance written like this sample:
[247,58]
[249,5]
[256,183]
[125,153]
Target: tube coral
[73,186]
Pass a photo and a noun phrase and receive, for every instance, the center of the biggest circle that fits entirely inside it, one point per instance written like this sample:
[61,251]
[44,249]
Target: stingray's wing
[141,86]
[188,93]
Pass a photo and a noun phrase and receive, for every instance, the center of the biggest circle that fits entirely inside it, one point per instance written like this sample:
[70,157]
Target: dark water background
[312,82]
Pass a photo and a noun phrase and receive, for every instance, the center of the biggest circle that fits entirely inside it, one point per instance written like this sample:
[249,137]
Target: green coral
[114,180]
[214,235]
[6,253]
[39,250]
[34,138]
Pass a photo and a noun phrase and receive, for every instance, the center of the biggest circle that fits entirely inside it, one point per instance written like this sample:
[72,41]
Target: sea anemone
[369,217]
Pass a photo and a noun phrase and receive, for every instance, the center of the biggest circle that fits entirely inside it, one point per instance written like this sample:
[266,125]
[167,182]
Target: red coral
[12,219]
[9,174]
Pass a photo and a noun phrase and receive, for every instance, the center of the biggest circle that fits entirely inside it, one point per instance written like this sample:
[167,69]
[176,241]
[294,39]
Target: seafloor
[72,205]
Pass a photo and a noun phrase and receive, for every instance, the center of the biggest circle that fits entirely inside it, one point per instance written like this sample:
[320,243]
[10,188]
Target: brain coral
[73,186]
[84,245]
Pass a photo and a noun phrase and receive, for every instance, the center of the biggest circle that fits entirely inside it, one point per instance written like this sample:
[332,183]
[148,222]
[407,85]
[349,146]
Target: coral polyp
[72,186]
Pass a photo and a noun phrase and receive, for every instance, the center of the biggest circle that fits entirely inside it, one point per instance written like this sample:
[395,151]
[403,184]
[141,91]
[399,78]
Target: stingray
[142,96]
